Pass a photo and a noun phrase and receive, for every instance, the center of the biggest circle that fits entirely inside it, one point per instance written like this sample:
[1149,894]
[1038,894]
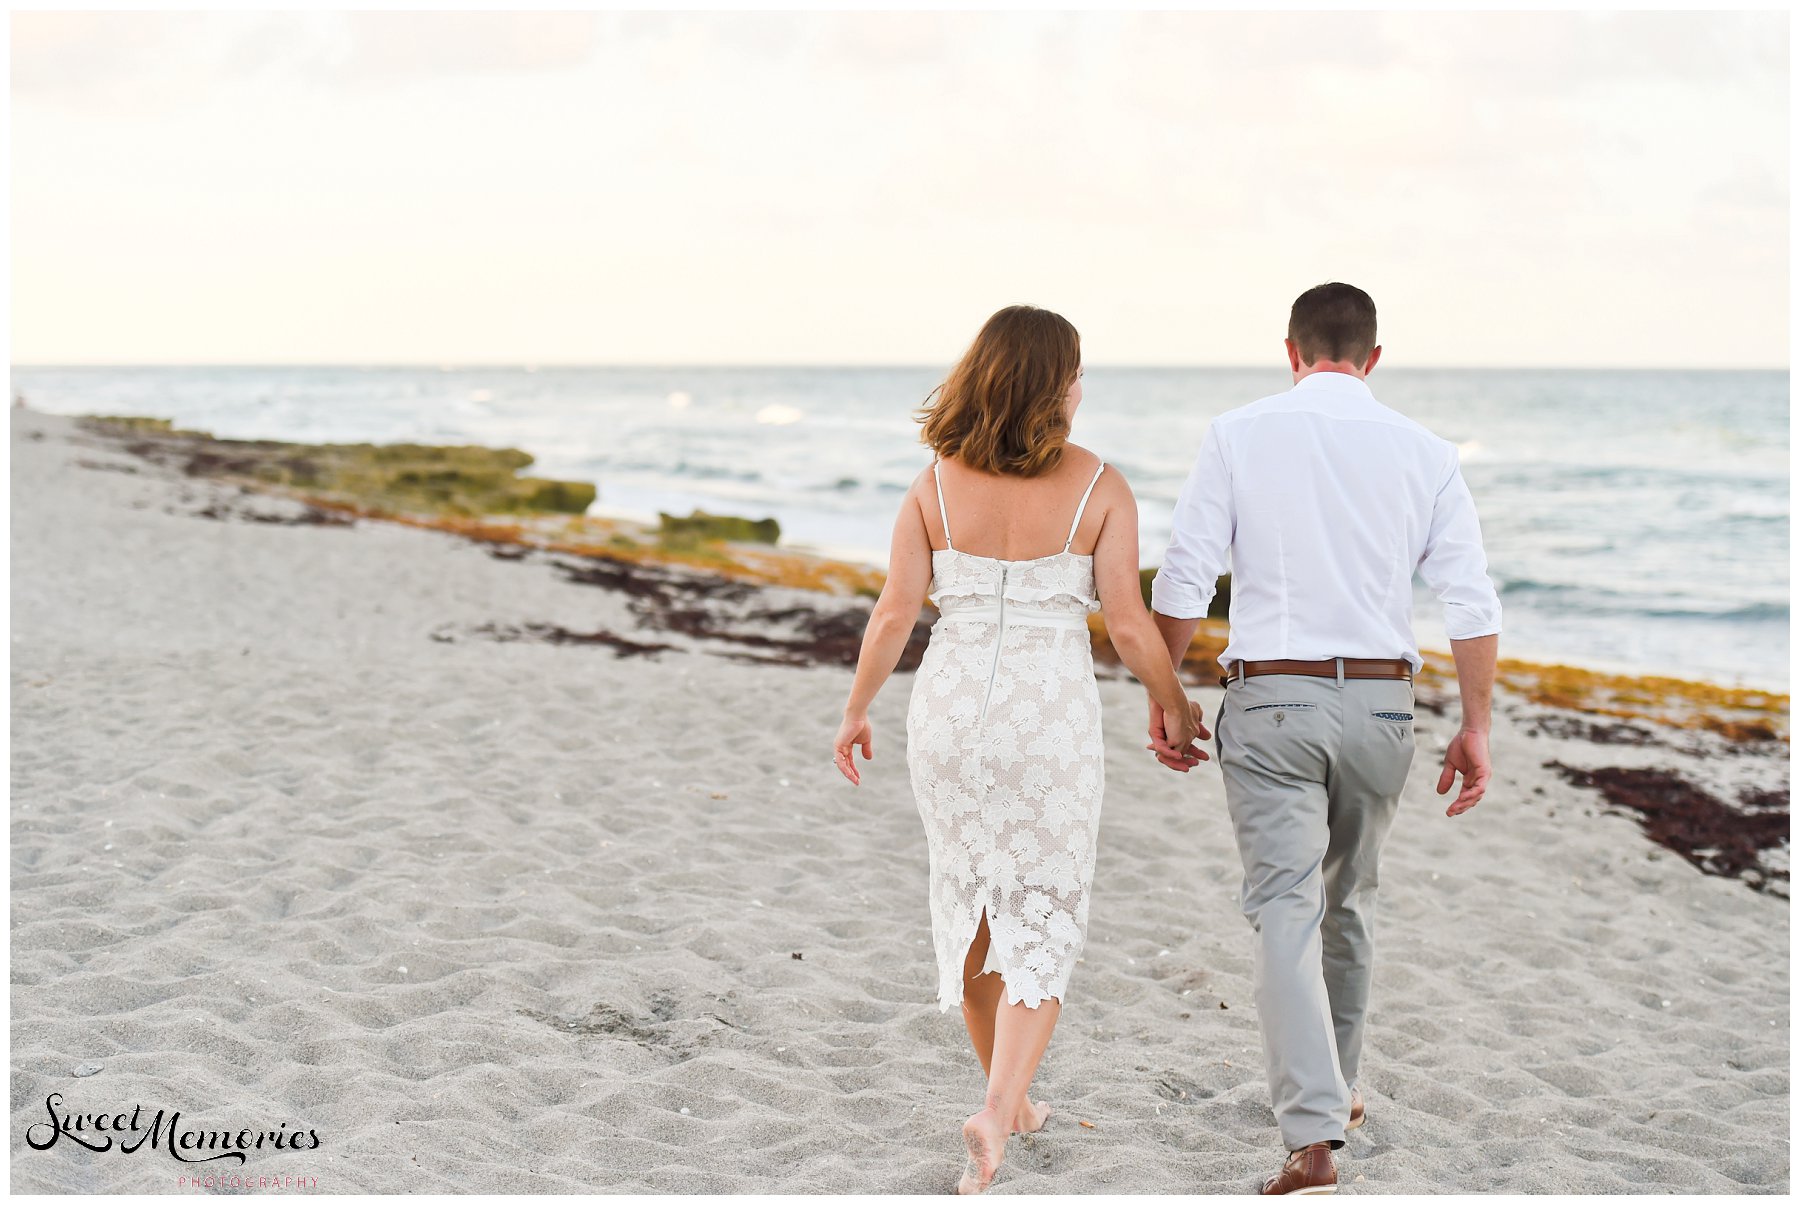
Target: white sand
[520,917]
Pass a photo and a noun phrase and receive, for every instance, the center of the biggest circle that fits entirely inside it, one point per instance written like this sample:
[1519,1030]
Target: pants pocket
[1394,745]
[1279,739]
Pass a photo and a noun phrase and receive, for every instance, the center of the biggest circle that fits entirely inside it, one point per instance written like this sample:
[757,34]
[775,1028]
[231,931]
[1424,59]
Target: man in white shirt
[1326,502]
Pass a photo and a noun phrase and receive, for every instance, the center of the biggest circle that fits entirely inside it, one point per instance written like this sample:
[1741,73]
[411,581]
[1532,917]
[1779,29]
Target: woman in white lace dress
[1016,534]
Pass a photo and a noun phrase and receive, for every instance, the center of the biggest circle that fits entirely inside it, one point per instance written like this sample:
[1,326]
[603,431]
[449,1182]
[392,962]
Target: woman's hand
[1177,754]
[855,730]
[1184,726]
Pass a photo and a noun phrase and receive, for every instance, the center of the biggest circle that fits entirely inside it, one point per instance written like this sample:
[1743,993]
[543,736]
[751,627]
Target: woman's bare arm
[890,627]
[1128,624]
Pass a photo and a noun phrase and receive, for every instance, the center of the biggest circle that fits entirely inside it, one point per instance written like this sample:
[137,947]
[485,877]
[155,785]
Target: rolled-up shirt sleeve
[1200,539]
[1454,566]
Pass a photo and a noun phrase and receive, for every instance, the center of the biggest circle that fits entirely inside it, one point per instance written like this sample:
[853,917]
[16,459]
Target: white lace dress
[1005,753]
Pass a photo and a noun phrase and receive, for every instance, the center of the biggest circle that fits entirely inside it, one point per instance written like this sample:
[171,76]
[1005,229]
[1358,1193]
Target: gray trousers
[1313,771]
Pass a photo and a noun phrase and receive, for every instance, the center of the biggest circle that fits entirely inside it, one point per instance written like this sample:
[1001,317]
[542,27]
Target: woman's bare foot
[984,1135]
[1031,1117]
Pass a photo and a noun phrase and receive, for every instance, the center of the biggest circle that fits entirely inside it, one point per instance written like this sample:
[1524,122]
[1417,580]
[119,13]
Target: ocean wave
[1515,586]
[1589,608]
[1572,598]
[1749,612]
[707,472]
[847,484]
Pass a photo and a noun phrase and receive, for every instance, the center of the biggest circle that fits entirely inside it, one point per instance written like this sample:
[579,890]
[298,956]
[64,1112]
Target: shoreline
[1737,712]
[1651,633]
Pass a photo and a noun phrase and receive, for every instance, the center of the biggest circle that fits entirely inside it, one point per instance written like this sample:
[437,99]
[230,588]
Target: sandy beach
[506,870]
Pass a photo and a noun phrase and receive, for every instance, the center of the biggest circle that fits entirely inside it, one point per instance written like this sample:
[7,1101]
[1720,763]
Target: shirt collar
[1336,382]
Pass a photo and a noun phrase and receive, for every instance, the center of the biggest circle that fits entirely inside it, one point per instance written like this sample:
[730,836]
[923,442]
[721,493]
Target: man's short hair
[1333,322]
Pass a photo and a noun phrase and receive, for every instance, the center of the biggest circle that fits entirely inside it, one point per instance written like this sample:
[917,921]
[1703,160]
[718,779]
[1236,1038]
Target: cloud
[138,60]
[97,61]
[388,45]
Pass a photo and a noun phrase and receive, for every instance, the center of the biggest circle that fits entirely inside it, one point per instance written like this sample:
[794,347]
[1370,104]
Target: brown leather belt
[1354,667]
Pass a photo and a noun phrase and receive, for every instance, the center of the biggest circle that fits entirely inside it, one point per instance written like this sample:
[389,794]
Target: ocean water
[1634,520]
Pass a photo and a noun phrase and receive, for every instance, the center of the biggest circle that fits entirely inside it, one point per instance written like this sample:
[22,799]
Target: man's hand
[1468,756]
[1176,759]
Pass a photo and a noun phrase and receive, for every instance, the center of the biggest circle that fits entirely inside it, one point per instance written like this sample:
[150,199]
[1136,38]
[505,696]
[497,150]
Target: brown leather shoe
[1356,1109]
[1307,1170]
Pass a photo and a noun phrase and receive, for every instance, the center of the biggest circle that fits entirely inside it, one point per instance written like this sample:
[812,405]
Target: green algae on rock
[134,422]
[320,477]
[414,478]
[701,527]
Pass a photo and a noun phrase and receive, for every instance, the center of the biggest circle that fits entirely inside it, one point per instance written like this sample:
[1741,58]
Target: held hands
[855,730]
[1468,756]
[1172,737]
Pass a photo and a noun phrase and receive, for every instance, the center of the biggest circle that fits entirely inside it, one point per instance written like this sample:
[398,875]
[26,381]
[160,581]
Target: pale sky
[1551,189]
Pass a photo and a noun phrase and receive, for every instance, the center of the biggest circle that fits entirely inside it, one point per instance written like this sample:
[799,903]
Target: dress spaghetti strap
[1079,510]
[943,516]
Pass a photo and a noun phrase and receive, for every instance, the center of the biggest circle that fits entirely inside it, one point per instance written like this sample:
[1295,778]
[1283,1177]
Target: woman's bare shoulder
[1112,481]
[923,486]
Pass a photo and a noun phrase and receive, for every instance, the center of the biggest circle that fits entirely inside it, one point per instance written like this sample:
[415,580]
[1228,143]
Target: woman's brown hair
[1001,409]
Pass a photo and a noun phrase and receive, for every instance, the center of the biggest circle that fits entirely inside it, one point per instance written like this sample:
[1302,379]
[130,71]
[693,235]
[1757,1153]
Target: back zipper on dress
[999,641]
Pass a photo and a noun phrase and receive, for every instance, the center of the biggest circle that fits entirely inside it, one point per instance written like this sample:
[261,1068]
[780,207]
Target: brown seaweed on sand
[1576,728]
[550,633]
[1706,831]
[704,606]
[305,516]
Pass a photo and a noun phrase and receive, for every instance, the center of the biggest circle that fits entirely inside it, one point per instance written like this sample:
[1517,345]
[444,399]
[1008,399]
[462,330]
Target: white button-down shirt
[1327,502]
